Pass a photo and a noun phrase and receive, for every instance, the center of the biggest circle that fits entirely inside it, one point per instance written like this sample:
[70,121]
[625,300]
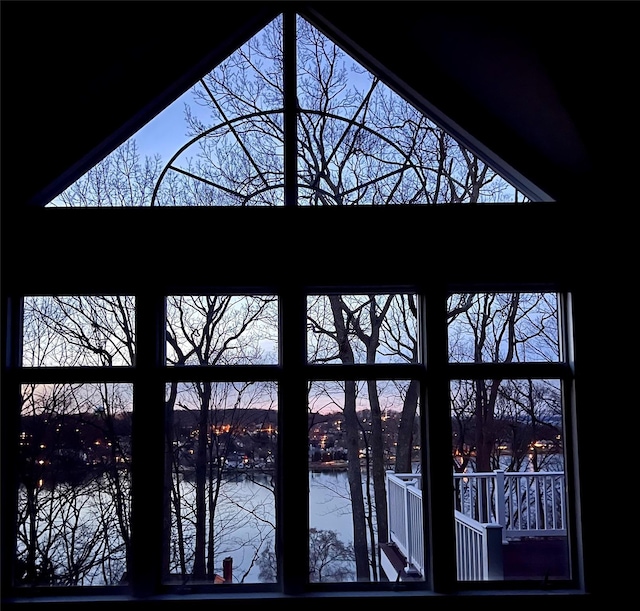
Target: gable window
[291,101]
[294,399]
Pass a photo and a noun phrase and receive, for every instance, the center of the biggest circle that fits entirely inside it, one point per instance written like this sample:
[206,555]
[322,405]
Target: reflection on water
[329,509]
[244,522]
[330,503]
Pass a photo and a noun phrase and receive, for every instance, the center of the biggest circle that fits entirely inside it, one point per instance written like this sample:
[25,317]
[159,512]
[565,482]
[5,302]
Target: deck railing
[523,503]
[503,504]
[478,550]
[404,505]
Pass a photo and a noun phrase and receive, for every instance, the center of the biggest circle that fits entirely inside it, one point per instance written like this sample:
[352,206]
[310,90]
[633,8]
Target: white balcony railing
[525,504]
[404,505]
[489,507]
[478,550]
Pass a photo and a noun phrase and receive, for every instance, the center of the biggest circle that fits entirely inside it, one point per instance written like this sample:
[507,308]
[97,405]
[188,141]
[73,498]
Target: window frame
[132,273]
[151,372]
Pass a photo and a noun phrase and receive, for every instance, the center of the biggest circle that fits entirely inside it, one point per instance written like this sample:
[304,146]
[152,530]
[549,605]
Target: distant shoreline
[328,465]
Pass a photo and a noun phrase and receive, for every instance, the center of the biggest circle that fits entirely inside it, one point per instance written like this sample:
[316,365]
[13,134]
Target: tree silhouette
[501,328]
[210,330]
[330,559]
[356,143]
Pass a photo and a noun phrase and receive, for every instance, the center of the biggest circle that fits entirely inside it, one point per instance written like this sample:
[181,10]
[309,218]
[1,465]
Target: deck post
[500,502]
[493,552]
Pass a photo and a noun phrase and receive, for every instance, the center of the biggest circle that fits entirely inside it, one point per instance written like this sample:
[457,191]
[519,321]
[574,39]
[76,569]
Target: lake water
[329,509]
[244,520]
[330,504]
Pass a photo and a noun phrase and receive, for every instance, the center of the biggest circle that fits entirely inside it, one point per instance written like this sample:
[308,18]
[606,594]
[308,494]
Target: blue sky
[165,133]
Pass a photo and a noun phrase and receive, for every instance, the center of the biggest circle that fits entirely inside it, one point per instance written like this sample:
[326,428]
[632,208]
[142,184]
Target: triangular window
[231,140]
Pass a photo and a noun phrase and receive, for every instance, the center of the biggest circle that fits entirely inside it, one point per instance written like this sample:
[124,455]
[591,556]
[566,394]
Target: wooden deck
[536,558]
[527,559]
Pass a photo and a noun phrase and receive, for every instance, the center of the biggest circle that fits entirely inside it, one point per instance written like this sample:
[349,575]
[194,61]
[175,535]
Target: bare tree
[206,517]
[122,178]
[99,331]
[349,329]
[74,498]
[501,328]
[79,331]
[210,330]
[330,559]
[357,143]
[75,444]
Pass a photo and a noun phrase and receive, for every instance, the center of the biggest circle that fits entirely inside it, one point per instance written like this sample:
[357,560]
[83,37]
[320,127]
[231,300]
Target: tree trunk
[353,450]
[405,429]
[199,564]
[355,483]
[377,454]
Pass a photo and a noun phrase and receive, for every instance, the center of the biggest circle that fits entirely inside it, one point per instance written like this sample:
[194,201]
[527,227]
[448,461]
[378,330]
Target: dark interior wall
[542,84]
[80,77]
[548,85]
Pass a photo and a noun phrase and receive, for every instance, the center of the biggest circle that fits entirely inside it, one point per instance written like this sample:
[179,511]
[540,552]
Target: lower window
[358,474]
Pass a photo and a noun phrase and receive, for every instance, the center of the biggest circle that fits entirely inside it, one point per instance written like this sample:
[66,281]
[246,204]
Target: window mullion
[292,532]
[571,441]
[292,499]
[438,504]
[11,402]
[148,519]
[290,110]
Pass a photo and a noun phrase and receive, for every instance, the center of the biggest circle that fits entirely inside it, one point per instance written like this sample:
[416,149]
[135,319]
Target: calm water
[329,509]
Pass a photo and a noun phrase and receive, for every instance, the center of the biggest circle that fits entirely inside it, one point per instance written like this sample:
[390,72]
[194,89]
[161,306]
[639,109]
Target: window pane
[74,485]
[360,143]
[236,163]
[78,331]
[503,327]
[222,330]
[235,115]
[222,489]
[358,329]
[221,143]
[509,480]
[364,444]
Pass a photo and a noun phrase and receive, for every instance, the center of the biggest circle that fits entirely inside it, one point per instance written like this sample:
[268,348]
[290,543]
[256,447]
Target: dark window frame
[419,264]
[150,373]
